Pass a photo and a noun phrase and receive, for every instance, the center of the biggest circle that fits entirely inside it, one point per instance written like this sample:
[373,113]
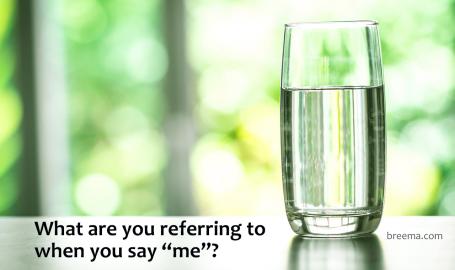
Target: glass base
[324,226]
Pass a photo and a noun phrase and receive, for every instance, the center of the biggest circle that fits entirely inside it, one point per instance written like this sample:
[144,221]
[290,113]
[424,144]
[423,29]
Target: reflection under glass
[338,253]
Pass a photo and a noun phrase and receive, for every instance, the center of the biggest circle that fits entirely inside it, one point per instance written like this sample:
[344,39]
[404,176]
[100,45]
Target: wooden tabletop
[277,248]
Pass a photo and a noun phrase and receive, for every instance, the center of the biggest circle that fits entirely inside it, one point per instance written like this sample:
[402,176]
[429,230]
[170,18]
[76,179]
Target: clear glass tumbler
[332,128]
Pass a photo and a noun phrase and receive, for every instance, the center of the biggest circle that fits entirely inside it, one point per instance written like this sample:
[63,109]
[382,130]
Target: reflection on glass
[338,253]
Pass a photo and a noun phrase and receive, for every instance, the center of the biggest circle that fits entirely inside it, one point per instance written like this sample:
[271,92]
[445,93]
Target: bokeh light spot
[216,166]
[126,120]
[260,130]
[6,10]
[412,182]
[97,194]
[146,60]
[10,113]
[224,90]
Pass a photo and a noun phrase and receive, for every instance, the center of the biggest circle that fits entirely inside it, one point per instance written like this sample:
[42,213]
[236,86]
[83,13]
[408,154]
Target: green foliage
[10,113]
[115,61]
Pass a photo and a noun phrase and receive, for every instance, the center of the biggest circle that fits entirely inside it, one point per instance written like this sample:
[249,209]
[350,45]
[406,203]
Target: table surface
[278,248]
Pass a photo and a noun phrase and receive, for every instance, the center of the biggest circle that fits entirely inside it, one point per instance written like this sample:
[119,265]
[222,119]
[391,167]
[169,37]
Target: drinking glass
[332,128]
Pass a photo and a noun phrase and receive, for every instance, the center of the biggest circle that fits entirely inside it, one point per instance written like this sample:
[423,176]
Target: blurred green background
[149,107]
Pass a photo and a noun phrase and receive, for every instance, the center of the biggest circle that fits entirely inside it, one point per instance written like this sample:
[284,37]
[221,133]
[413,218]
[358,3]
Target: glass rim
[329,24]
